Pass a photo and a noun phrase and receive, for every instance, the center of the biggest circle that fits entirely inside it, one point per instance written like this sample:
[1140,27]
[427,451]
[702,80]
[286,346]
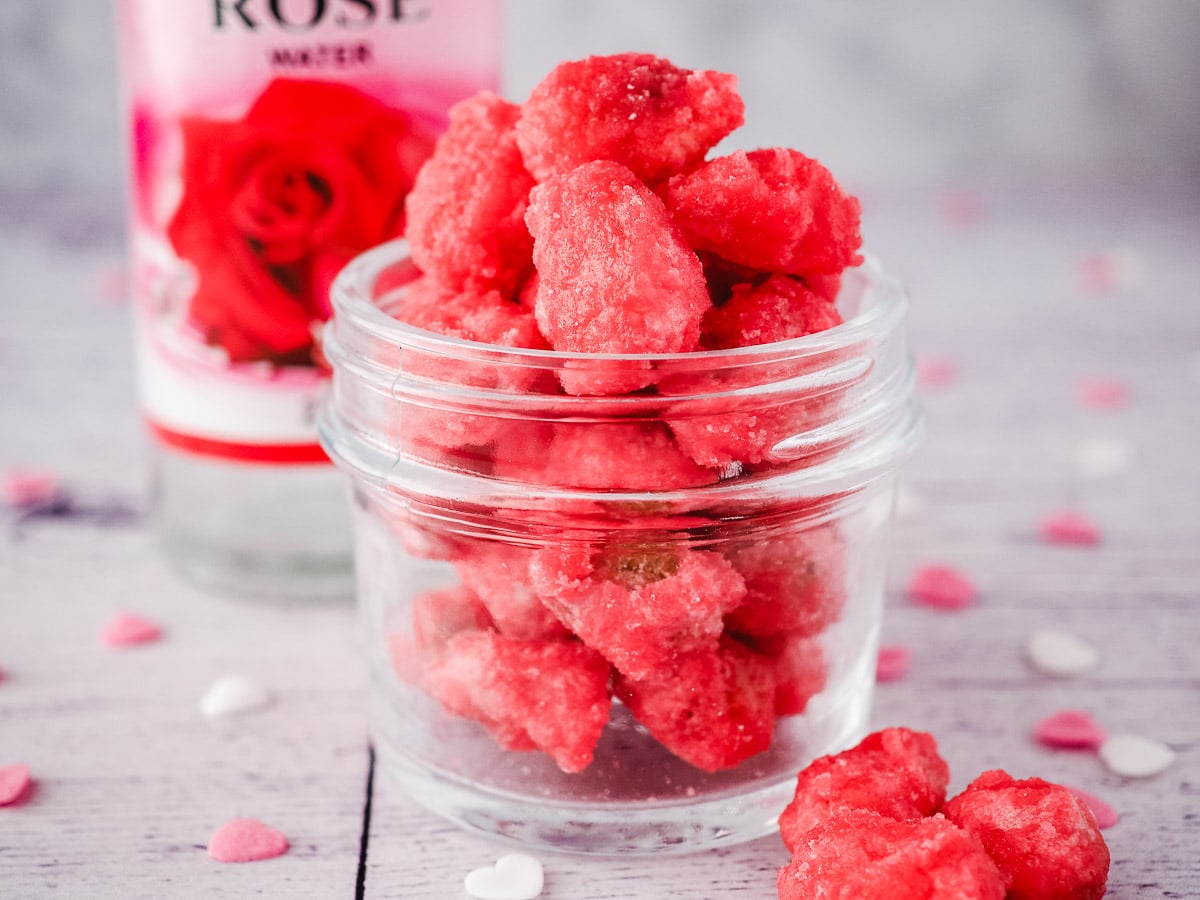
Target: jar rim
[350,295]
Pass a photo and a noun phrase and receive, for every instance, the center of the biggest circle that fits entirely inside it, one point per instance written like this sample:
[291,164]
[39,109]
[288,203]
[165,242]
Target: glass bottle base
[268,532]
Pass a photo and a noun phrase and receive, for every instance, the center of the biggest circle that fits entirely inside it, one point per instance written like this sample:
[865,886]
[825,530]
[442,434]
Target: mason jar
[616,623]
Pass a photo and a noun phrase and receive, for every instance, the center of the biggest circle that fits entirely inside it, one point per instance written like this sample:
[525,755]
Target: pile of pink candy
[874,822]
[588,220]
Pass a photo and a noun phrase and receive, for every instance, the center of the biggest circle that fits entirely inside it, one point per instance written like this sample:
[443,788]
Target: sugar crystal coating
[776,210]
[551,695]
[1044,840]
[794,582]
[633,108]
[639,605]
[499,575]
[895,772]
[614,273]
[778,309]
[712,707]
[798,664]
[862,855]
[629,456]
[466,210]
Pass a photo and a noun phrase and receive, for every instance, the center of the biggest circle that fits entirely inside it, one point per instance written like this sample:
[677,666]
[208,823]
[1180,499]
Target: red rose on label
[274,204]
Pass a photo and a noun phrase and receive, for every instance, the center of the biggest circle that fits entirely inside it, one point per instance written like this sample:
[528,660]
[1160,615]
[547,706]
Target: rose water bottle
[271,141]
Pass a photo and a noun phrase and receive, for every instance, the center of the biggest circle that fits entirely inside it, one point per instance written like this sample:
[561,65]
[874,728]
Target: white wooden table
[132,780]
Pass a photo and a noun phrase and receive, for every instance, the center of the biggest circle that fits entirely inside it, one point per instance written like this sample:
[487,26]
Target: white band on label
[228,407]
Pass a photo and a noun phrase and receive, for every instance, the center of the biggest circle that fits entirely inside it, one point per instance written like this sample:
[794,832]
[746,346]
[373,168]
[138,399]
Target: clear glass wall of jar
[616,622]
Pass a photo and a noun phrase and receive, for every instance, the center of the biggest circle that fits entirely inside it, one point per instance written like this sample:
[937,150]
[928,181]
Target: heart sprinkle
[1103,393]
[1112,271]
[935,371]
[1106,816]
[246,840]
[941,587]
[1069,528]
[129,630]
[232,695]
[893,663]
[14,782]
[515,876]
[1134,756]
[1100,457]
[1071,729]
[1054,652]
[30,488]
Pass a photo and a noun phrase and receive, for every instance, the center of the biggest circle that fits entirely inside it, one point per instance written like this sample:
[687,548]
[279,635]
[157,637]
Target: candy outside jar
[579,636]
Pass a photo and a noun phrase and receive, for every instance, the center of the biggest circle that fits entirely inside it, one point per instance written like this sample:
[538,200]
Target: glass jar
[616,623]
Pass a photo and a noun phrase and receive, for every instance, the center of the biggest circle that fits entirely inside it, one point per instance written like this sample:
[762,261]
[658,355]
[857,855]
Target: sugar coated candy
[629,456]
[633,108]
[776,210]
[639,605]
[896,773]
[530,694]
[794,582]
[862,855]
[713,707]
[1044,840]
[614,273]
[778,309]
[466,211]
[800,670]
[498,574]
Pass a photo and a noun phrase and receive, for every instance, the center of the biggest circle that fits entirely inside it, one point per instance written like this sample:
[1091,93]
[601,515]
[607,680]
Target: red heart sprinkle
[941,587]
[1071,729]
[14,782]
[246,840]
[128,630]
[1069,528]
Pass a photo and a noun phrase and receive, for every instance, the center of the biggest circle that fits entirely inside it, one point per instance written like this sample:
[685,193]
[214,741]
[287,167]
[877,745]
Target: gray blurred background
[939,93]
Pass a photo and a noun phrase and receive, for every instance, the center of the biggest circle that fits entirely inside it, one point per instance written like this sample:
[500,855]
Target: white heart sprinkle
[1054,652]
[232,695]
[1103,456]
[1135,756]
[513,877]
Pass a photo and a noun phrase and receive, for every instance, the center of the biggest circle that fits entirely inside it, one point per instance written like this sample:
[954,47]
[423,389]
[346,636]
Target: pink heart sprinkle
[1069,528]
[935,371]
[941,587]
[961,207]
[1103,393]
[1111,271]
[893,663]
[246,840]
[129,630]
[14,782]
[1071,729]
[1106,816]
[28,488]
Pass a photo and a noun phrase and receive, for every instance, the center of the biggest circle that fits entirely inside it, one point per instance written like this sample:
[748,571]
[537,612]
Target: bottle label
[271,141]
